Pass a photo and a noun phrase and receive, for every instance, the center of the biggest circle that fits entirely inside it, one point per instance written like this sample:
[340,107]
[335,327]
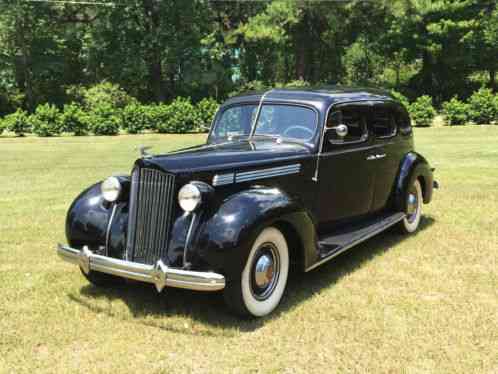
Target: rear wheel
[413,212]
[262,283]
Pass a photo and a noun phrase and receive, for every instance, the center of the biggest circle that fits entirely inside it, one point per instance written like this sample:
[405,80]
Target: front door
[345,174]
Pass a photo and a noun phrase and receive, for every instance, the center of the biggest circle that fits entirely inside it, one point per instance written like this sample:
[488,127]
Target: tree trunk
[300,60]
[397,68]
[492,80]
[25,75]
[301,42]
[155,70]
[251,62]
[426,86]
[153,55]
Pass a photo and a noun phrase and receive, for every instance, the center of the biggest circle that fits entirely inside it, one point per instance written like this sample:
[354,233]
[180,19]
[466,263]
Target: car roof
[317,96]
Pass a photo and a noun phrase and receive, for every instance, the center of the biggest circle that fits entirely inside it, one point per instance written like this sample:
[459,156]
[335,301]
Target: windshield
[275,120]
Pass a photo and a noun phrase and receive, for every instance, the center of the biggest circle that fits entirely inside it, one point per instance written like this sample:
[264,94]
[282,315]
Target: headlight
[111,189]
[189,197]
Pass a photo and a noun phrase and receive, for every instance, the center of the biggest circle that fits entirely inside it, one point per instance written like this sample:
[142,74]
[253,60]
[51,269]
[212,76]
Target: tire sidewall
[411,227]
[255,307]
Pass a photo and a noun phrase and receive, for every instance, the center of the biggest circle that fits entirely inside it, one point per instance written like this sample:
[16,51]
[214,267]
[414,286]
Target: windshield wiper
[266,136]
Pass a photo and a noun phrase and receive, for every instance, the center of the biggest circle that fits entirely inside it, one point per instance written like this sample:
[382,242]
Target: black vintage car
[287,177]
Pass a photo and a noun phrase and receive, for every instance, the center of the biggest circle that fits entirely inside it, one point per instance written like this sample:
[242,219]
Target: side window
[351,116]
[382,122]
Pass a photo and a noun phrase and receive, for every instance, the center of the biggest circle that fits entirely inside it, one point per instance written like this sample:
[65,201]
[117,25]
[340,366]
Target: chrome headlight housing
[189,197]
[111,189]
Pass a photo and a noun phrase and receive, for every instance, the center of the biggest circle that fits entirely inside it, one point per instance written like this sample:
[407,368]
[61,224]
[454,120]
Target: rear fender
[413,166]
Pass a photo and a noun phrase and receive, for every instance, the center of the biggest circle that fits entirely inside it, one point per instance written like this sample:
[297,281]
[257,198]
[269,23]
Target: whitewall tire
[414,200]
[264,278]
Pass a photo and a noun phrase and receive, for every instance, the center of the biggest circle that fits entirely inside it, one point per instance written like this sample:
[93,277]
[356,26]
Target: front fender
[413,166]
[87,219]
[226,237]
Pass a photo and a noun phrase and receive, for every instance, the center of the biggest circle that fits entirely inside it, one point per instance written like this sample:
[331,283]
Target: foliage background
[155,51]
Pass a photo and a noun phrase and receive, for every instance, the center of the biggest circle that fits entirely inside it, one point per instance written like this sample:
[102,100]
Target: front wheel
[262,283]
[413,212]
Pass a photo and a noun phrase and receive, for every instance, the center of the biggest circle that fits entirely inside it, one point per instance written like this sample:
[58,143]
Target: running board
[333,245]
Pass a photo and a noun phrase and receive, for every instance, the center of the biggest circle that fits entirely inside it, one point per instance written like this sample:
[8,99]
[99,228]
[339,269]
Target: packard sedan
[287,180]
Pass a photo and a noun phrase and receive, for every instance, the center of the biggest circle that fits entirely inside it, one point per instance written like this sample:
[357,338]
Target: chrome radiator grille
[151,211]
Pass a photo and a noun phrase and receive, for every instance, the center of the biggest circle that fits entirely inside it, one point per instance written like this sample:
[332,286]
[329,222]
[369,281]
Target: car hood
[213,157]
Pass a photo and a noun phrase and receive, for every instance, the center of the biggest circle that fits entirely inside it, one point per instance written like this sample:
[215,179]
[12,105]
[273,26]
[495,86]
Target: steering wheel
[299,128]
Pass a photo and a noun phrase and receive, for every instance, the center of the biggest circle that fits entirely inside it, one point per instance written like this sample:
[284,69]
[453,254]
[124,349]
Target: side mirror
[341,130]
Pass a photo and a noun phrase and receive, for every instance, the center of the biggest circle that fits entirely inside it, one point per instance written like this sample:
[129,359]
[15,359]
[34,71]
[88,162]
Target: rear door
[387,155]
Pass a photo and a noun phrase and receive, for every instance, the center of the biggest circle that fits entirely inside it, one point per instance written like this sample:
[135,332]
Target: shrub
[206,110]
[136,118]
[158,114]
[422,111]
[74,119]
[46,120]
[3,125]
[483,106]
[17,122]
[99,94]
[178,117]
[298,83]
[262,86]
[456,112]
[401,98]
[104,119]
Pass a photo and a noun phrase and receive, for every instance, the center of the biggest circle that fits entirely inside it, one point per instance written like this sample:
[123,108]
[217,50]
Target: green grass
[425,303]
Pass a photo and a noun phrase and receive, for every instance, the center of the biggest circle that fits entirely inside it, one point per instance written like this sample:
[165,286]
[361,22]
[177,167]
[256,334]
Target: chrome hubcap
[412,206]
[265,271]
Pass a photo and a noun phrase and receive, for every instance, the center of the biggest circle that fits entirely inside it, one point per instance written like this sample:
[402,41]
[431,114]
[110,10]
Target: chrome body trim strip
[223,179]
[356,242]
[266,173]
[159,274]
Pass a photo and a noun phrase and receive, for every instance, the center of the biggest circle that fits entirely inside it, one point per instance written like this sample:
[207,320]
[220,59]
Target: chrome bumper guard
[159,274]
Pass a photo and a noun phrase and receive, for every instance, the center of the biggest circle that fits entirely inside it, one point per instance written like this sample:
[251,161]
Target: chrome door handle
[376,157]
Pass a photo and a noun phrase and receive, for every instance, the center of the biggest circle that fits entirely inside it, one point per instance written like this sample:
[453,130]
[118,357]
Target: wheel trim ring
[263,293]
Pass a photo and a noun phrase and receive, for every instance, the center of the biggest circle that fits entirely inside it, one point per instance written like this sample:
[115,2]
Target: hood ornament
[143,150]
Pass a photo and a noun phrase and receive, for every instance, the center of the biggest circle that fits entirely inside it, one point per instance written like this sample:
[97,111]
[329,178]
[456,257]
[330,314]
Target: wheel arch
[413,166]
[225,239]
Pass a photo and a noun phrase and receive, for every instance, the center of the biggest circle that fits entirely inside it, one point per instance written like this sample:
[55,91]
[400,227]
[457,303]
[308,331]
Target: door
[382,124]
[345,175]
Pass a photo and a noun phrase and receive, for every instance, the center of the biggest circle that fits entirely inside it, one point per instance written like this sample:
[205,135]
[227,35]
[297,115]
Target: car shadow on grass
[206,311]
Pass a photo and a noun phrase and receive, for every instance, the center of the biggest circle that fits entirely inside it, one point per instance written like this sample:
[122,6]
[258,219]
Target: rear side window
[382,122]
[402,121]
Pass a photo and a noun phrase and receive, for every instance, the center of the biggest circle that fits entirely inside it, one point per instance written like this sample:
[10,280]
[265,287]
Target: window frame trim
[367,103]
[274,102]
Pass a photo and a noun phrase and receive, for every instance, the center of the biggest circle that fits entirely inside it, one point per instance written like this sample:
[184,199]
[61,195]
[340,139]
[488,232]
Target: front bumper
[159,274]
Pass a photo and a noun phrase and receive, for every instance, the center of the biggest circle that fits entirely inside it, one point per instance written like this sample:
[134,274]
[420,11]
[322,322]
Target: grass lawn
[425,303]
